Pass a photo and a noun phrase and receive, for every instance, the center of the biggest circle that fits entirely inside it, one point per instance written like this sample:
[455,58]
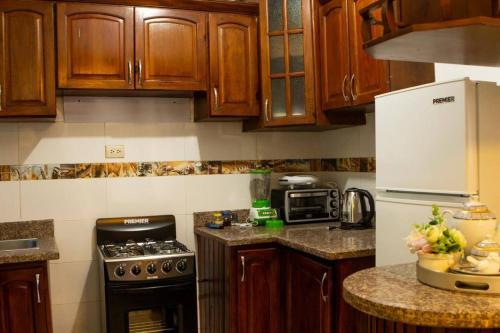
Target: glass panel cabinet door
[287,63]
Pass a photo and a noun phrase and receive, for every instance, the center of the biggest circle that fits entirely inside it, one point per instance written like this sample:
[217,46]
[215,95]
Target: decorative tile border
[179,168]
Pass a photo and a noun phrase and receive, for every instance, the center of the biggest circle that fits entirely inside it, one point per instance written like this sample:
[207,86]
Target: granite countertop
[41,229]
[394,293]
[314,239]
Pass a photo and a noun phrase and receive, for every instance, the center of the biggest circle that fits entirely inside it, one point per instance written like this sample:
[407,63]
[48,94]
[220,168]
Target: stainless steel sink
[18,244]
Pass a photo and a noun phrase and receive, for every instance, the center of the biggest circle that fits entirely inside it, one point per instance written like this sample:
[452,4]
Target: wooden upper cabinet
[334,53]
[258,284]
[369,77]
[171,49]
[233,65]
[27,60]
[95,46]
[287,63]
[309,295]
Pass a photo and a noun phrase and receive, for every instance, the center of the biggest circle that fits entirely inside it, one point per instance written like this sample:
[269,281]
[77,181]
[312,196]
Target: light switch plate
[115,151]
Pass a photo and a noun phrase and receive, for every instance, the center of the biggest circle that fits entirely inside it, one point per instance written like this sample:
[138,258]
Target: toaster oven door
[307,206]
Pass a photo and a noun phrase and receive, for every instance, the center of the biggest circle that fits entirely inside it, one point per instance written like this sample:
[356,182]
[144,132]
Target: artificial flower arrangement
[437,246]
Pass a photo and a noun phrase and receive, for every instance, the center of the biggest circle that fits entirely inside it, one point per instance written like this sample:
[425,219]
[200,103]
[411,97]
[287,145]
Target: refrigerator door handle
[429,192]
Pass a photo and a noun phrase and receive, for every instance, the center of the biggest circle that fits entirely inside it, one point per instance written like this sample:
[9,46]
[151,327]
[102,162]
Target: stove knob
[167,266]
[120,271]
[151,268]
[181,265]
[136,270]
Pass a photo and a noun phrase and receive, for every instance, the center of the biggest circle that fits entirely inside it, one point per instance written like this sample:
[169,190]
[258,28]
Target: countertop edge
[418,317]
[19,259]
[284,242]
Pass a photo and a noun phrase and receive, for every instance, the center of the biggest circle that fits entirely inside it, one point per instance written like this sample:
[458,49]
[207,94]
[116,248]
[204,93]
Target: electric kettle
[355,211]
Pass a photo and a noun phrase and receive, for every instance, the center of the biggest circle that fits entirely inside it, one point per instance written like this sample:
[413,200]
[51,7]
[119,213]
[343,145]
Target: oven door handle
[131,289]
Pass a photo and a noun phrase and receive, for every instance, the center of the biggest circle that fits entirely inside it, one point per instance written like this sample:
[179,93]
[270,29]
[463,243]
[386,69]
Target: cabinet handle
[353,88]
[243,269]
[346,98]
[266,109]
[130,70]
[0,97]
[322,288]
[140,71]
[37,276]
[216,97]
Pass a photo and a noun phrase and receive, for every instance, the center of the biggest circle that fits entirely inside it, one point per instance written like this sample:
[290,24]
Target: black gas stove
[148,278]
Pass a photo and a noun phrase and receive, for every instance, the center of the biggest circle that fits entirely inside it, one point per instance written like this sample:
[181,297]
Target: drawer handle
[242,269]
[37,276]
[322,288]
[346,98]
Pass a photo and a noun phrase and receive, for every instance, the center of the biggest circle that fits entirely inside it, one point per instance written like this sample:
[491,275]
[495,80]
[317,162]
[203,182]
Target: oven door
[307,206]
[151,307]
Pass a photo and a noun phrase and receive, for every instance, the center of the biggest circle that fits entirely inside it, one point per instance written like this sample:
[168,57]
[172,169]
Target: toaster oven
[306,205]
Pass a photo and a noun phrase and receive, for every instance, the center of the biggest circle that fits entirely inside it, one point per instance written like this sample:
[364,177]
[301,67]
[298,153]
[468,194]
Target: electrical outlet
[115,151]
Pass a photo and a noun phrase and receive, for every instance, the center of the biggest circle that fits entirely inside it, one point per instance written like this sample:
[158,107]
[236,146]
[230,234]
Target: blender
[260,189]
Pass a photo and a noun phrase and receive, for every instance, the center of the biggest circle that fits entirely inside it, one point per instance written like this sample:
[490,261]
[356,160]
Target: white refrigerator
[435,143]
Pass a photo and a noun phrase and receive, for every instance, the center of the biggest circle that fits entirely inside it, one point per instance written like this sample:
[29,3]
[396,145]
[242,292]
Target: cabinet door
[258,291]
[309,305]
[95,46]
[287,56]
[23,307]
[27,82]
[171,49]
[334,53]
[369,77]
[233,65]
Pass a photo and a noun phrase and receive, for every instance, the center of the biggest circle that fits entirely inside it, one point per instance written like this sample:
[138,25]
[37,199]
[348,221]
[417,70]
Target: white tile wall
[284,145]
[219,141]
[75,240]
[148,142]
[152,129]
[74,282]
[82,317]
[60,142]
[9,149]
[63,199]
[139,196]
[10,204]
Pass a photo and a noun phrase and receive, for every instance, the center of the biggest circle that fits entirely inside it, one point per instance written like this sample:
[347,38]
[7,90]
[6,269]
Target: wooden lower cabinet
[259,290]
[24,298]
[267,288]
[309,291]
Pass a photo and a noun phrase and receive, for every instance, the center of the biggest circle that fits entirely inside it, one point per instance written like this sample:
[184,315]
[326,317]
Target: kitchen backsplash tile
[84,317]
[58,142]
[179,168]
[10,205]
[9,149]
[62,199]
[73,282]
[148,142]
[145,195]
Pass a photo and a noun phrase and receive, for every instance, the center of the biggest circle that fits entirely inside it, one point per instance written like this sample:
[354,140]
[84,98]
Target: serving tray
[483,284]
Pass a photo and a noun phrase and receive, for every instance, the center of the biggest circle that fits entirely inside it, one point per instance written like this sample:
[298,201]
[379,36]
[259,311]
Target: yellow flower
[433,234]
[458,237]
